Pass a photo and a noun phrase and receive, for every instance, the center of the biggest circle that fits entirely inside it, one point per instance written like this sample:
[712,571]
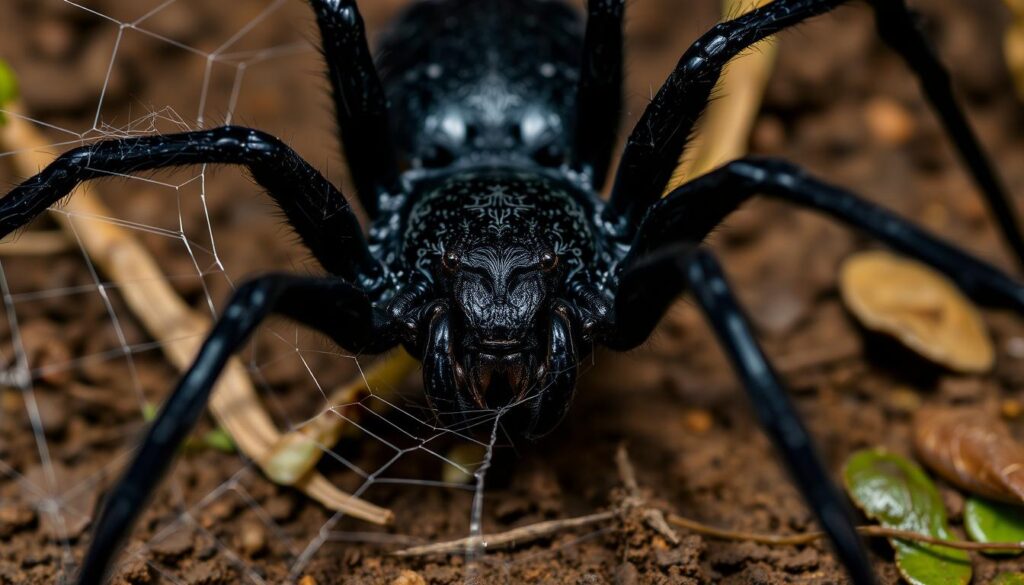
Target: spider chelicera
[479,155]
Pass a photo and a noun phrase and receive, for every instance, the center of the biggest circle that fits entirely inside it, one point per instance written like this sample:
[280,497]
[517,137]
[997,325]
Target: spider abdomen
[471,79]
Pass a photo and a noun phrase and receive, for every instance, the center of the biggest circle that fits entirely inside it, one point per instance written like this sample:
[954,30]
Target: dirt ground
[840,103]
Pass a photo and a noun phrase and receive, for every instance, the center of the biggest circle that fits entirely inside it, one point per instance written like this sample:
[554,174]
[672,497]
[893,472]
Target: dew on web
[79,374]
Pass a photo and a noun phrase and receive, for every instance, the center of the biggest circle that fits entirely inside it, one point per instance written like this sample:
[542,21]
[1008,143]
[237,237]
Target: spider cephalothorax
[490,255]
[501,329]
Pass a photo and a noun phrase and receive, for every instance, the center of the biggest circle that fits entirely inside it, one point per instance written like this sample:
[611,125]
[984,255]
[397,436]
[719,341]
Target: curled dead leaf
[918,306]
[972,450]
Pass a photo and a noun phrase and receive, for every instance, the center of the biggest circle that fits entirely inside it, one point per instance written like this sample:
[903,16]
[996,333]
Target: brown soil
[841,104]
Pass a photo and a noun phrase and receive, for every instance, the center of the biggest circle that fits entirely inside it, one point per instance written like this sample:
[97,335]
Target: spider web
[77,373]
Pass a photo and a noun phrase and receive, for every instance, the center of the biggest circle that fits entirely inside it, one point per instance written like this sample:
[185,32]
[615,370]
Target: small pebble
[889,122]
[409,578]
[253,538]
[698,421]
[1011,408]
[175,544]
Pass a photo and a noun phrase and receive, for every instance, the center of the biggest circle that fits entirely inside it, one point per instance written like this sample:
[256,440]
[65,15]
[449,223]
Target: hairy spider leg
[656,143]
[690,212]
[329,305]
[360,103]
[599,92]
[680,267]
[316,210]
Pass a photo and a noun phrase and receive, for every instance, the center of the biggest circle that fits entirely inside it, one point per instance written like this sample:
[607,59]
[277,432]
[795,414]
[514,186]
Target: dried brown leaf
[972,450]
[918,306]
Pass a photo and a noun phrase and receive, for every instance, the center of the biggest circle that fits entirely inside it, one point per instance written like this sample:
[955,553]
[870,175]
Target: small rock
[175,544]
[889,122]
[253,538]
[409,578]
[698,421]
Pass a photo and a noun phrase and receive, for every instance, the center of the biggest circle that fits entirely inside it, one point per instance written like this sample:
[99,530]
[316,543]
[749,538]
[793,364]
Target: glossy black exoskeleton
[479,155]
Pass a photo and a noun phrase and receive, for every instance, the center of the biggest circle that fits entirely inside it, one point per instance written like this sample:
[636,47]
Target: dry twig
[169,320]
[38,244]
[514,537]
[532,532]
[295,454]
[653,517]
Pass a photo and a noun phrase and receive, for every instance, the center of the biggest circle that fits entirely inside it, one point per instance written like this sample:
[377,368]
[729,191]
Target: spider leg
[690,212]
[361,106]
[660,277]
[318,212]
[657,142]
[897,27]
[329,305]
[599,92]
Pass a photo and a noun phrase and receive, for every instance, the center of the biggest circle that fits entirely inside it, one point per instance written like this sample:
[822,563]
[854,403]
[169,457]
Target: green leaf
[8,86]
[149,411]
[220,440]
[898,494]
[988,521]
[1008,579]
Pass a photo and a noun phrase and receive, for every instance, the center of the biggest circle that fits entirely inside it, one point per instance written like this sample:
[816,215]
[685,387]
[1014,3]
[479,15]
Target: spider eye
[450,261]
[548,261]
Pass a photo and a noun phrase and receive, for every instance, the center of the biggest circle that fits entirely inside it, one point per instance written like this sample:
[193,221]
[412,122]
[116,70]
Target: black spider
[491,256]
